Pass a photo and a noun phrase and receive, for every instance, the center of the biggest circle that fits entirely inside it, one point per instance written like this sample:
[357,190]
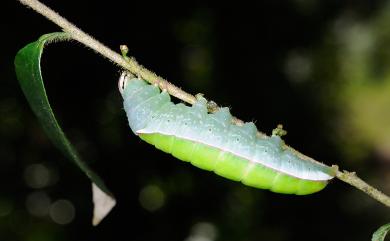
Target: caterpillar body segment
[211,142]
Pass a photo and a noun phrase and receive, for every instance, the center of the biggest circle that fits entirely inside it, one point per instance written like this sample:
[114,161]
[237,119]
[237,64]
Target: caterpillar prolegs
[212,142]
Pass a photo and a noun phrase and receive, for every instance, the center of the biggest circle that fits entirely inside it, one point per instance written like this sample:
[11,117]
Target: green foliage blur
[319,68]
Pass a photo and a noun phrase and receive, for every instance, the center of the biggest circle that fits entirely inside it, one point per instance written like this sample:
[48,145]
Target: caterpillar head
[125,77]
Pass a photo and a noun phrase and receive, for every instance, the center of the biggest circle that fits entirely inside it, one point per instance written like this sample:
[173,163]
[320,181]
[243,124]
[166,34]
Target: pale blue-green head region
[212,142]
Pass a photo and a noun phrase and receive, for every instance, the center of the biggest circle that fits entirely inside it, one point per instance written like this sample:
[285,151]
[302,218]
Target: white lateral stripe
[314,175]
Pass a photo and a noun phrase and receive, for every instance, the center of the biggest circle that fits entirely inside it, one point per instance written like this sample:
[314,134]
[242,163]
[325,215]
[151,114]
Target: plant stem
[129,64]
[352,179]
[132,65]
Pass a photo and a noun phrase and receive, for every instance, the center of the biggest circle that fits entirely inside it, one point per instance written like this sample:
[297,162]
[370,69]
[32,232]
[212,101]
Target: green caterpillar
[211,142]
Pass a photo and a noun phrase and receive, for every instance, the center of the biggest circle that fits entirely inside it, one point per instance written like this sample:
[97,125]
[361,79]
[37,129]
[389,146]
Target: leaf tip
[102,204]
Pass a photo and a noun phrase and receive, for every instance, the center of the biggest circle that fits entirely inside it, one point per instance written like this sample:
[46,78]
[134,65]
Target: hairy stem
[132,65]
[352,179]
[129,63]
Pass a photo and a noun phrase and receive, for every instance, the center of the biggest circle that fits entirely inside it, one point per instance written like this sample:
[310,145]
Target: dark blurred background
[321,68]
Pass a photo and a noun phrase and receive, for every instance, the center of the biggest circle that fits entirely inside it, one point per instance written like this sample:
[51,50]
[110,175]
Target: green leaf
[380,234]
[28,72]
